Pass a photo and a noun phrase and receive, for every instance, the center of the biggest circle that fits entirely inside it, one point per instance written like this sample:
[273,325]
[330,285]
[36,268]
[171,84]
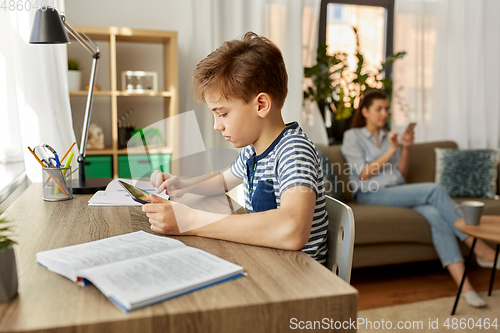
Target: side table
[488,230]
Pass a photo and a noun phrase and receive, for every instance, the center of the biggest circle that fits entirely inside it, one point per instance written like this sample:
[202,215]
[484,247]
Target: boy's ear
[264,103]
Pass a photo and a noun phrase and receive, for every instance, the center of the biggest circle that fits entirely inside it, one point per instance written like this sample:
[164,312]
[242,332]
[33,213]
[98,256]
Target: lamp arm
[92,49]
[86,121]
[88,107]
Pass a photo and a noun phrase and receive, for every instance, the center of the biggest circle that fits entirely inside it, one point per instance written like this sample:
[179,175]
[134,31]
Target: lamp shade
[48,27]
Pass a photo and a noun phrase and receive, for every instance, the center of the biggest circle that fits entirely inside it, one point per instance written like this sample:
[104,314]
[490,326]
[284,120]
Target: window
[373,20]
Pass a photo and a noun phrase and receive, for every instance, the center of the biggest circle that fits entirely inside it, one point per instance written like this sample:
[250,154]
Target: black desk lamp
[48,28]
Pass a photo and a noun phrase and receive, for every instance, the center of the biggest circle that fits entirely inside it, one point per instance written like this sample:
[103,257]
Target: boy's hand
[161,215]
[171,184]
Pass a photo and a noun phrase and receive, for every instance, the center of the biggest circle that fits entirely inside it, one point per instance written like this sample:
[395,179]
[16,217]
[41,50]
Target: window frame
[389,29]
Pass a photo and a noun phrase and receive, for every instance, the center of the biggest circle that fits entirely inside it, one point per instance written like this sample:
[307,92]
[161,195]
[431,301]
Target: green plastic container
[140,166]
[99,166]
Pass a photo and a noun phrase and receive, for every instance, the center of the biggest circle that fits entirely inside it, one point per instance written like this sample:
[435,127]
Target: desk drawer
[138,166]
[100,166]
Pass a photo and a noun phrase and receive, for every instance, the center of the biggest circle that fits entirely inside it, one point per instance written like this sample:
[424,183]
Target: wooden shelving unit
[168,68]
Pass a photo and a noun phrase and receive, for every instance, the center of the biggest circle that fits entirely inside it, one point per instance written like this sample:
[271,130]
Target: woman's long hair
[366,101]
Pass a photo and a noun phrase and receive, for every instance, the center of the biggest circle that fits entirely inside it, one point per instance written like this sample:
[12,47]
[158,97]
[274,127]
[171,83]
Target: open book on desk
[115,195]
[139,269]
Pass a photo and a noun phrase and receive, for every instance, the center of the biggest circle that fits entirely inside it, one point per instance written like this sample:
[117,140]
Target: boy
[244,83]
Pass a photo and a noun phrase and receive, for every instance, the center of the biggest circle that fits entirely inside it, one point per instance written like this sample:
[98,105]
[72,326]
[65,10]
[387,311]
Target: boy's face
[236,119]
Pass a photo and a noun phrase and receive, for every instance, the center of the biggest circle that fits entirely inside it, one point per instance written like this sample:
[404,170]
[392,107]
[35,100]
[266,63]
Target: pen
[58,163]
[62,160]
[50,175]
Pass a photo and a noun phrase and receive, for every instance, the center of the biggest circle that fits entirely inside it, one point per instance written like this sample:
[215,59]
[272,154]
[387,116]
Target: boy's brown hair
[242,69]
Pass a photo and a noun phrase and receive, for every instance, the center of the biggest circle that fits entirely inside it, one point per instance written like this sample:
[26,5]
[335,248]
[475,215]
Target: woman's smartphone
[411,126]
[136,193]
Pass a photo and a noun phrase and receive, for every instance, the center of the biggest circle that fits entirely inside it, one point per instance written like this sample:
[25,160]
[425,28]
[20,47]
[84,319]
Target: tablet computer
[136,193]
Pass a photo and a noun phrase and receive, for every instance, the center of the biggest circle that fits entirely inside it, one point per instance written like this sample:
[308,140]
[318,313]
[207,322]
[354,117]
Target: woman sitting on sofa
[379,165]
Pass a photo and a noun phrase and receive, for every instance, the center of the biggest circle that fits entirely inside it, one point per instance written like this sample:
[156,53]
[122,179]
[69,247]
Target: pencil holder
[57,184]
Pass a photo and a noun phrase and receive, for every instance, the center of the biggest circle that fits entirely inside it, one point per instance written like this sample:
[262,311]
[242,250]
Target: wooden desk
[488,230]
[280,285]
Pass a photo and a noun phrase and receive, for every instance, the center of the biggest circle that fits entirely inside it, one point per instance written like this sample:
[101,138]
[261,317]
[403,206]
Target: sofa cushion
[330,177]
[392,253]
[423,161]
[467,173]
[384,224]
[337,167]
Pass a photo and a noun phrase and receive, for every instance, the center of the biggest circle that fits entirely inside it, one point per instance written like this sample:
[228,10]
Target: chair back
[340,238]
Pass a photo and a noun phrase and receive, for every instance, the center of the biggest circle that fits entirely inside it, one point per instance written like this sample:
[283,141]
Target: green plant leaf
[334,82]
[73,64]
[5,241]
[389,61]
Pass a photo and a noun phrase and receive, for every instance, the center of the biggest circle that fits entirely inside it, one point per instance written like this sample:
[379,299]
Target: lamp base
[90,185]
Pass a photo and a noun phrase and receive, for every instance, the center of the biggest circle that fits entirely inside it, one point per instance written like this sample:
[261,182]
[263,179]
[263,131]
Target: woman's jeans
[432,202]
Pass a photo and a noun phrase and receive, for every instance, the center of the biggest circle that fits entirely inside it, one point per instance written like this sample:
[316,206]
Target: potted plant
[74,75]
[8,270]
[338,89]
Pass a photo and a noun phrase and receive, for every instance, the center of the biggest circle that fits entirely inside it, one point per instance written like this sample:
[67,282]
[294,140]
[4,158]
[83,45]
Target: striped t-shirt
[291,160]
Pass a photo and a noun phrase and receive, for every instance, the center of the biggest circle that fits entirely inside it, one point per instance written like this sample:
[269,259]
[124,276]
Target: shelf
[105,151]
[144,36]
[94,33]
[125,34]
[138,151]
[145,94]
[110,151]
[123,93]
[125,47]
[85,93]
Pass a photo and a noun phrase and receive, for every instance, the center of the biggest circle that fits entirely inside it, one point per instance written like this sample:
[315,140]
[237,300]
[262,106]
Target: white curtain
[34,100]
[312,120]
[450,79]
[216,21]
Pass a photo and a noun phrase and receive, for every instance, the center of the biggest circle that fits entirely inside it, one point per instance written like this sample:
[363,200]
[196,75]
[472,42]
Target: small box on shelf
[139,81]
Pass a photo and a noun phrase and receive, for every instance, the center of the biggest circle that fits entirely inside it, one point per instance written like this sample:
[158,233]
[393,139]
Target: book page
[107,250]
[159,276]
[115,195]
[112,198]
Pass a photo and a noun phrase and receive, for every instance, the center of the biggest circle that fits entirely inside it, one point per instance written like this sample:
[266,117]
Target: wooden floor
[408,283]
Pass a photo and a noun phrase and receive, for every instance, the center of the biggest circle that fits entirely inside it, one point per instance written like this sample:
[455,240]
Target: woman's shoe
[485,264]
[473,299]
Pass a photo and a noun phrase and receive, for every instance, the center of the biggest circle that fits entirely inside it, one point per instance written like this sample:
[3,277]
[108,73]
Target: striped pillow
[467,173]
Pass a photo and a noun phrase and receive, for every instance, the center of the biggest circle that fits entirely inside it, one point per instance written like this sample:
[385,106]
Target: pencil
[50,175]
[67,152]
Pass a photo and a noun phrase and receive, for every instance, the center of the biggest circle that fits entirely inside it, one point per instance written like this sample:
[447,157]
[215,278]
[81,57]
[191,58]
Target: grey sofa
[391,235]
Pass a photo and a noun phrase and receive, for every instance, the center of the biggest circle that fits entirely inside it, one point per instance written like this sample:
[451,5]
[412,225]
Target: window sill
[13,182]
